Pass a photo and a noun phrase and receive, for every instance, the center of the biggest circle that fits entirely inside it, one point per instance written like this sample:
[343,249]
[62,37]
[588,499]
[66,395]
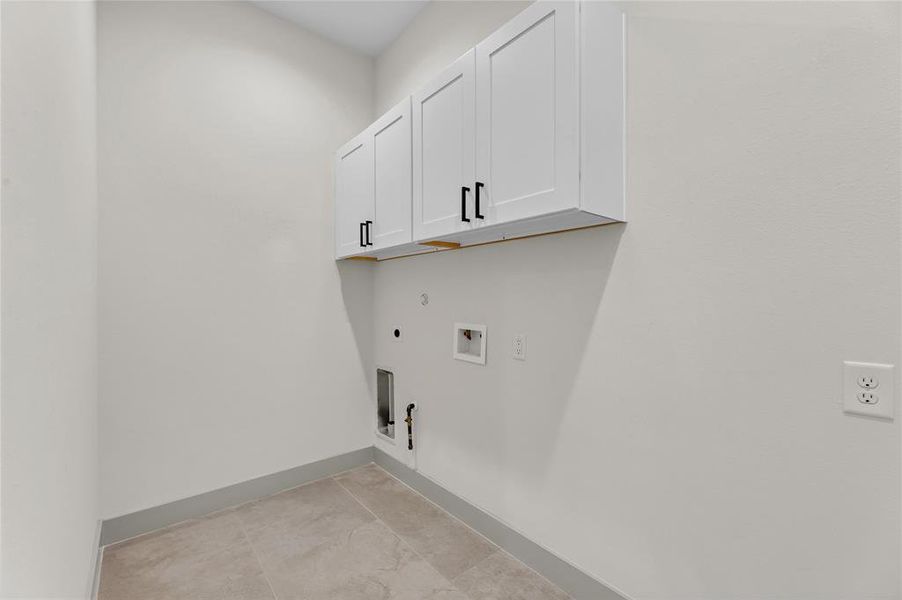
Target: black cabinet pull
[362,245]
[463,204]
[368,242]
[479,186]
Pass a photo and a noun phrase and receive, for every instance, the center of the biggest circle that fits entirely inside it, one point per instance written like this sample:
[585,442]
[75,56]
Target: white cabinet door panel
[443,151]
[527,114]
[353,194]
[392,168]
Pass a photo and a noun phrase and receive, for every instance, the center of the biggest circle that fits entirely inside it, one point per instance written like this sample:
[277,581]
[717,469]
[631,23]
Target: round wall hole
[397,333]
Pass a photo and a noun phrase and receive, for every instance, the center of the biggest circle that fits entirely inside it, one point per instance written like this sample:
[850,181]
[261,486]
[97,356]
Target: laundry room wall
[676,429]
[231,343]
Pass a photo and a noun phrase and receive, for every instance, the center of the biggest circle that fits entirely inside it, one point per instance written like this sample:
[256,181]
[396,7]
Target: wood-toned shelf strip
[440,244]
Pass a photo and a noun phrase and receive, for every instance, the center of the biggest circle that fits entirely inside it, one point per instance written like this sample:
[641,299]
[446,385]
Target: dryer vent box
[385,403]
[469,342]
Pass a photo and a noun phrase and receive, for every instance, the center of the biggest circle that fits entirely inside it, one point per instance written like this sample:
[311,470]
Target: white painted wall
[676,429]
[230,345]
[440,33]
[48,320]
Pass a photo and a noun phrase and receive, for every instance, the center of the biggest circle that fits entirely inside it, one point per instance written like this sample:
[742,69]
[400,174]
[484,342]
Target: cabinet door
[392,166]
[443,152]
[527,114]
[353,195]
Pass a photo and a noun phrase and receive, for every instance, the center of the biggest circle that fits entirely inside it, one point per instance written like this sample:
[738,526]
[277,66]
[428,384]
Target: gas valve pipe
[409,421]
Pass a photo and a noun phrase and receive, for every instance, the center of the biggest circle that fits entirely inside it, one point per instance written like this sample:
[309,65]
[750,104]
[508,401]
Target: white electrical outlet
[519,352]
[868,389]
[868,398]
[868,382]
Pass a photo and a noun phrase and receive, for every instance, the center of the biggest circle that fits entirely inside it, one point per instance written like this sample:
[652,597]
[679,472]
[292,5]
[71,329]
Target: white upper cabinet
[353,195]
[392,169]
[443,152]
[523,134]
[527,114]
[603,104]
[372,187]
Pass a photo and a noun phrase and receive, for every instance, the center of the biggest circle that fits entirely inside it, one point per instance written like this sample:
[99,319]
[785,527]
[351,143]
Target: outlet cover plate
[857,403]
[519,347]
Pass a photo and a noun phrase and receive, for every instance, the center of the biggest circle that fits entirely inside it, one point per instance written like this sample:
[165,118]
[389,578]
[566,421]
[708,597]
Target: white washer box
[469,342]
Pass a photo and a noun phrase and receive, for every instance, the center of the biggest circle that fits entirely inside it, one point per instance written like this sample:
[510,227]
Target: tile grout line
[402,540]
[416,493]
[450,583]
[480,534]
[229,508]
[468,569]
[256,555]
[501,550]
[441,508]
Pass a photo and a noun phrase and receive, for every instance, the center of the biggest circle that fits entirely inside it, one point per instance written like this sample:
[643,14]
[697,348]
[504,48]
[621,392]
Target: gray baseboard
[567,577]
[94,583]
[127,526]
[95,589]
[575,582]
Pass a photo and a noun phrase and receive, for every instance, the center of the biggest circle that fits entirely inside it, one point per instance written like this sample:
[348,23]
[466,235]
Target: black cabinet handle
[368,242]
[463,204]
[362,245]
[479,186]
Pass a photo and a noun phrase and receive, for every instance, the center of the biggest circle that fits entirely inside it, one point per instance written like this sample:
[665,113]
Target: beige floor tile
[317,542]
[502,577]
[202,559]
[369,563]
[446,543]
[292,523]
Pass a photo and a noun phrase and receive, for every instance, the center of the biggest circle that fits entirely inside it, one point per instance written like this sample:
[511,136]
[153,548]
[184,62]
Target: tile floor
[361,535]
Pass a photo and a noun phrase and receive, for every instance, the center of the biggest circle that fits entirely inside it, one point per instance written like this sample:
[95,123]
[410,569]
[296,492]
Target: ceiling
[365,26]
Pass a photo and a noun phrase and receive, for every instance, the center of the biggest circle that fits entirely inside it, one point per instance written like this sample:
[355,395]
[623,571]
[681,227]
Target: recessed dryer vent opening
[385,403]
[469,342]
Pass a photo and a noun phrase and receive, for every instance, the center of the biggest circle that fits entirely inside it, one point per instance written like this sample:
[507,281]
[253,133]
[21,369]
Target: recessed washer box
[469,342]
[385,404]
